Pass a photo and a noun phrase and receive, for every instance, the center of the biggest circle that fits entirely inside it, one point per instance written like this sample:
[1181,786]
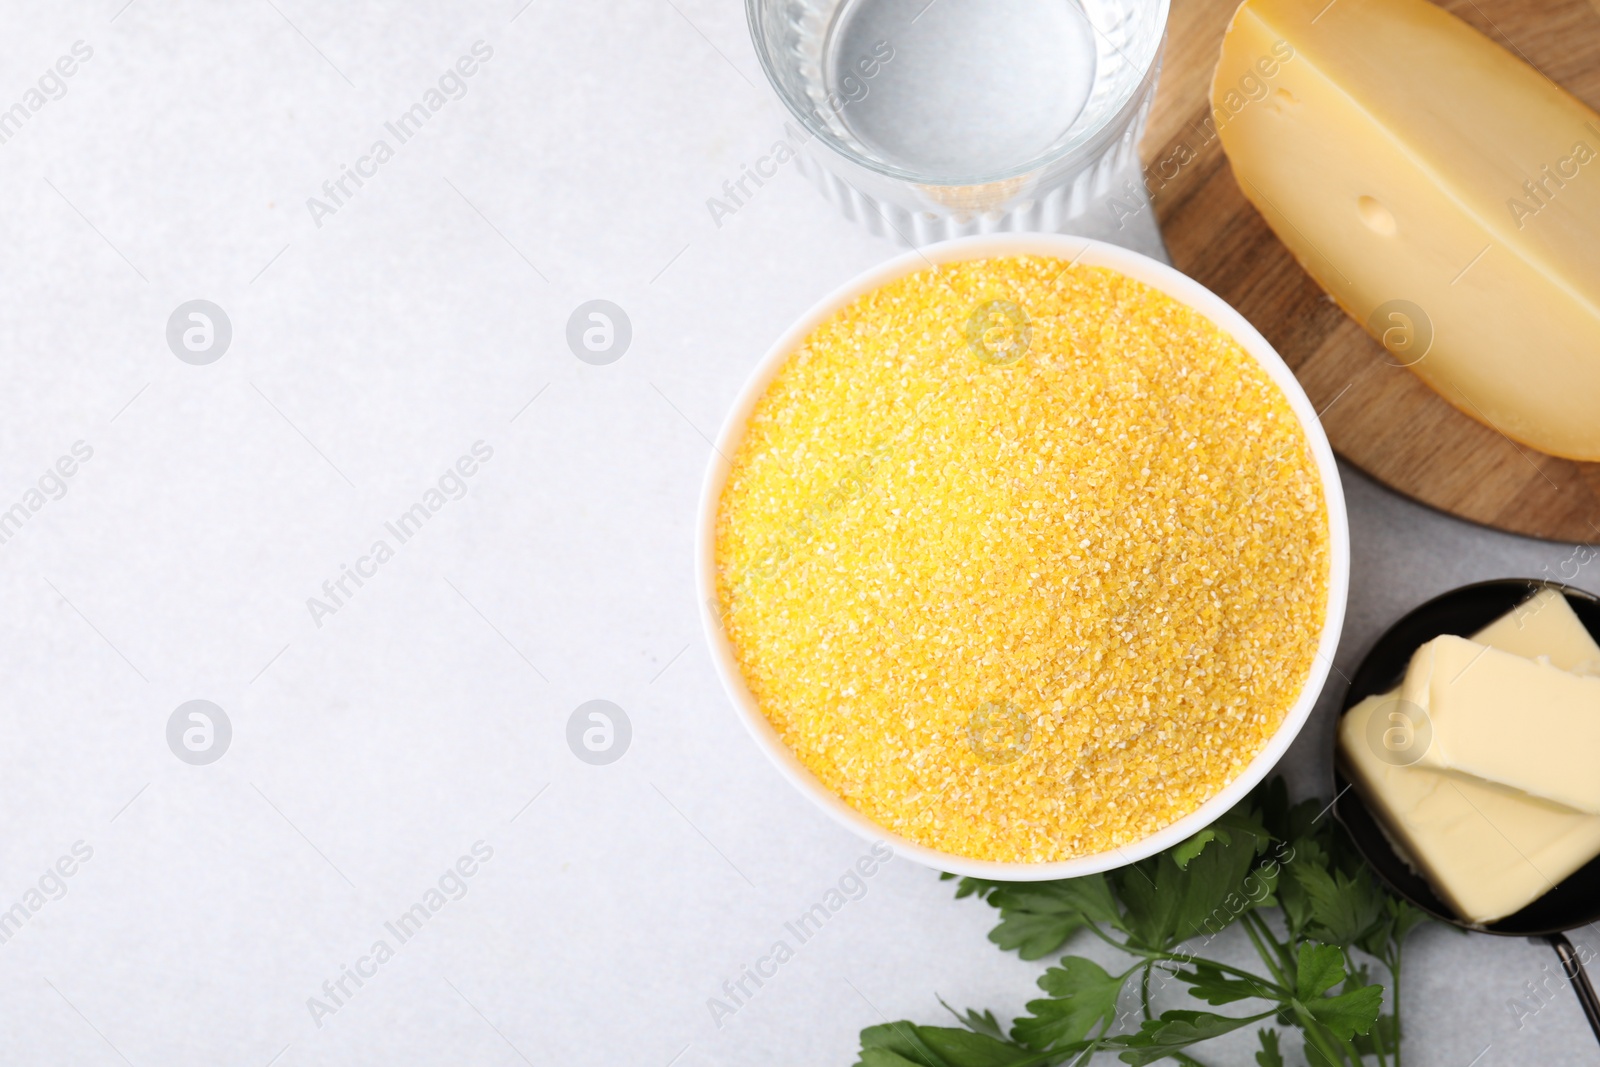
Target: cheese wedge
[1508,720]
[1487,851]
[1444,192]
[1545,626]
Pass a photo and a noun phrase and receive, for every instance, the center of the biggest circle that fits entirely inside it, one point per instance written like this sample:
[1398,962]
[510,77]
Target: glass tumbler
[931,119]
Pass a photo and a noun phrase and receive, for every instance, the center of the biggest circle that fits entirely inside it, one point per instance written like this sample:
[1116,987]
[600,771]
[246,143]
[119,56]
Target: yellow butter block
[1509,720]
[1545,626]
[1486,850]
[1444,192]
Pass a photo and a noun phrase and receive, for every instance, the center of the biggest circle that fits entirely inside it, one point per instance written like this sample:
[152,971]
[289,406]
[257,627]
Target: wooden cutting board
[1380,417]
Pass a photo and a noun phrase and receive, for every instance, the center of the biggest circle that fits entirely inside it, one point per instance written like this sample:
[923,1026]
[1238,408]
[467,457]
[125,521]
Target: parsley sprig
[1284,873]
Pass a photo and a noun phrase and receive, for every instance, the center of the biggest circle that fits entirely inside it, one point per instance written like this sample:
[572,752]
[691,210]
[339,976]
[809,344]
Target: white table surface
[372,751]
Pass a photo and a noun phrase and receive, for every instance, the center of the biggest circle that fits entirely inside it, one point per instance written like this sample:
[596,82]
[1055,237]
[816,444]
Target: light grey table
[376,338]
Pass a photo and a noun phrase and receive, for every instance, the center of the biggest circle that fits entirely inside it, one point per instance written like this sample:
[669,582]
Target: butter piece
[1486,850]
[1509,720]
[1444,192]
[1545,626]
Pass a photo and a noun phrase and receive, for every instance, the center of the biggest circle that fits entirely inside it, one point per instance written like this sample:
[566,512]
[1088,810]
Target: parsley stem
[1254,979]
[1318,1037]
[1261,950]
[1098,1043]
[1378,1046]
[1153,956]
[1394,977]
[1285,953]
[1123,977]
[1144,989]
[1113,942]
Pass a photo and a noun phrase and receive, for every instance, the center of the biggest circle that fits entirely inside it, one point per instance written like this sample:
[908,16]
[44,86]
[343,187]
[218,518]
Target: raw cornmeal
[1033,610]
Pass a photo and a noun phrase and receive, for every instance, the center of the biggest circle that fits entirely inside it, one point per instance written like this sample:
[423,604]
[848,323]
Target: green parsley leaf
[963,1048]
[1285,821]
[1191,848]
[1269,1056]
[968,887]
[1349,1013]
[894,1045]
[905,1044]
[1384,1037]
[1082,995]
[1176,1030]
[1208,983]
[1320,968]
[1343,909]
[981,1023]
[1167,903]
[1037,918]
[1309,923]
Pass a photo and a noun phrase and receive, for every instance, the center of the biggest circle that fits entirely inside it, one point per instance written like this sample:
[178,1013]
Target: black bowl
[1575,901]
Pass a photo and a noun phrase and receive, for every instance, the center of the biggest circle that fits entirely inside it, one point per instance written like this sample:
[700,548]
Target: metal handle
[1573,966]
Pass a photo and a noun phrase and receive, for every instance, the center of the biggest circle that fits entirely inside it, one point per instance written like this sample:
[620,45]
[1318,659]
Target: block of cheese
[1444,192]
[1512,721]
[1545,626]
[1486,850]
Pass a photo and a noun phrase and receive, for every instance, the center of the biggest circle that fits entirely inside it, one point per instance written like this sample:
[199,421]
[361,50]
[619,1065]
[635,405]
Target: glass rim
[1091,147]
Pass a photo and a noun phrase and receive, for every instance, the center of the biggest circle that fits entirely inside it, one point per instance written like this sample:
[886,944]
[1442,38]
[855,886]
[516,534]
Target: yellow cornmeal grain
[1031,611]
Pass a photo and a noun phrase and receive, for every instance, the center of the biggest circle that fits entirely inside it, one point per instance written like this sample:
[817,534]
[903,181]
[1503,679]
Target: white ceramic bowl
[1090,253]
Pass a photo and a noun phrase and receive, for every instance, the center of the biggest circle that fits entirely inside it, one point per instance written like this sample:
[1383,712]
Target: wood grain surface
[1380,417]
